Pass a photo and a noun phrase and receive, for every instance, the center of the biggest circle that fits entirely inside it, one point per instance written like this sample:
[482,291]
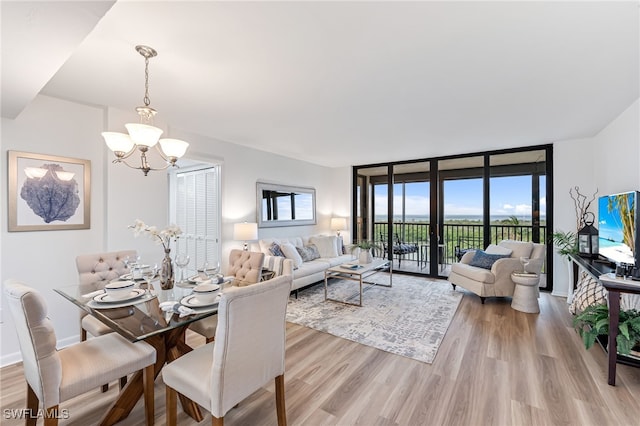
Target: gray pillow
[483,260]
[308,253]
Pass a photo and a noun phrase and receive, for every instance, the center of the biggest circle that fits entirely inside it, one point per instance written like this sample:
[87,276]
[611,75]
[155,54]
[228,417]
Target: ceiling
[337,83]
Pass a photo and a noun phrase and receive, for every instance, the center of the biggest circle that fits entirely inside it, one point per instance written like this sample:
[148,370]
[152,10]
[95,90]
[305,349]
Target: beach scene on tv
[616,219]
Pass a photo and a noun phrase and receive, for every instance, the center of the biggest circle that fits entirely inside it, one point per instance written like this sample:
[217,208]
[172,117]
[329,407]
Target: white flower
[163,236]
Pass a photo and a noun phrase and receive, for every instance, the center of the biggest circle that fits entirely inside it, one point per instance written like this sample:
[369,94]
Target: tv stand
[605,273]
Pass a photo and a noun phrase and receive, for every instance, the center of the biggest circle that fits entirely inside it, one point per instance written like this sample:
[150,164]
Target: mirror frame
[262,186]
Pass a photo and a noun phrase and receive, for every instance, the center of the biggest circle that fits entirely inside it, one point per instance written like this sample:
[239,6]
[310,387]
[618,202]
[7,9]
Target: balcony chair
[488,277]
[54,376]
[248,352]
[399,249]
[246,267]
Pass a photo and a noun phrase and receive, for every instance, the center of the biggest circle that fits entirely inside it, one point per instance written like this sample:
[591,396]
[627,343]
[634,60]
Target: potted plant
[566,242]
[364,247]
[593,321]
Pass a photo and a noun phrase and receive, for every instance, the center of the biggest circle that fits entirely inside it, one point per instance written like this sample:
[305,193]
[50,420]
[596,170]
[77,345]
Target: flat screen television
[618,227]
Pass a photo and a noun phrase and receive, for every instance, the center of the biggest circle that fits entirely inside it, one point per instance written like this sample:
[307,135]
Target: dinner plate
[129,277]
[193,302]
[197,279]
[106,298]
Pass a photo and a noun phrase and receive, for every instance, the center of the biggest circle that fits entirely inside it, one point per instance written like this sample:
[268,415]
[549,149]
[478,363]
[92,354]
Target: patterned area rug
[409,319]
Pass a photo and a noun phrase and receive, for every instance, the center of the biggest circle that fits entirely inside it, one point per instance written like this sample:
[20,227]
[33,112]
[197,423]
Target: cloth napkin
[173,306]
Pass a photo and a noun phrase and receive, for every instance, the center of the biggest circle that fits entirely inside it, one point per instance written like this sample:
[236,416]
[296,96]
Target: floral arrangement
[163,236]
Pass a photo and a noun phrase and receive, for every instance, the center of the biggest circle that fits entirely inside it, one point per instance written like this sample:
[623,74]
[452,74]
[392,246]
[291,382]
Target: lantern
[588,237]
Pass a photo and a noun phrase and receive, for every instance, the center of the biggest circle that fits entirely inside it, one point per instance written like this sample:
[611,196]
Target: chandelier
[144,135]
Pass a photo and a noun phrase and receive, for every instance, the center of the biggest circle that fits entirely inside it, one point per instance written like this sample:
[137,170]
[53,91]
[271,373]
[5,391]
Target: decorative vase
[166,271]
[365,256]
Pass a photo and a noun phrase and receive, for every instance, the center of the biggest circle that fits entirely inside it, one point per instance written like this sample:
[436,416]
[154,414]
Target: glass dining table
[142,319]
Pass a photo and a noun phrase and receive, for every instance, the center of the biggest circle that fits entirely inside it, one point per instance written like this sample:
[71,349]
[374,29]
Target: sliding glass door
[426,214]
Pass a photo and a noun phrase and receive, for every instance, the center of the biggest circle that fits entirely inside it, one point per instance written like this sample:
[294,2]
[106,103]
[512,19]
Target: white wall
[46,259]
[608,162]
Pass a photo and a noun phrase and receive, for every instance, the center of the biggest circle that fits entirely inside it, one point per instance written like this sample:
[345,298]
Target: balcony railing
[458,235]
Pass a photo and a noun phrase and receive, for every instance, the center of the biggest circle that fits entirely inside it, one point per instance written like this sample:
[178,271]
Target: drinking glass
[149,274]
[182,260]
[525,262]
[210,268]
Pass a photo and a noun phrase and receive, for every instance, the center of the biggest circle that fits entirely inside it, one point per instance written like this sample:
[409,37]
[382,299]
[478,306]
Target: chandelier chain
[146,81]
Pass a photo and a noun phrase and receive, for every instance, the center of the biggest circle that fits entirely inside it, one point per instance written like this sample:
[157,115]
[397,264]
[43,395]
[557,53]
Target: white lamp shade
[173,147]
[118,142]
[338,223]
[143,134]
[245,231]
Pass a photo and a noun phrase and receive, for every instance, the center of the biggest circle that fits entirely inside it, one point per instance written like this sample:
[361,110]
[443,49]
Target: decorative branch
[581,205]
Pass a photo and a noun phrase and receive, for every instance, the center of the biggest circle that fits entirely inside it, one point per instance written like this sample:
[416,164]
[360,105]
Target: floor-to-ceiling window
[443,206]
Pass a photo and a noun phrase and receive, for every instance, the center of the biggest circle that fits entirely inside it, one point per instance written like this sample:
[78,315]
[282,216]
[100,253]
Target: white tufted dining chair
[94,272]
[248,352]
[246,267]
[54,376]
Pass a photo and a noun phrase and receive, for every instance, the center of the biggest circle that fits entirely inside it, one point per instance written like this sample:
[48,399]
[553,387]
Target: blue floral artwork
[51,197]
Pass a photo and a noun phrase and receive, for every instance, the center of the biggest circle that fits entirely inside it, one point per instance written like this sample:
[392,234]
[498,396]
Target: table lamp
[245,232]
[338,224]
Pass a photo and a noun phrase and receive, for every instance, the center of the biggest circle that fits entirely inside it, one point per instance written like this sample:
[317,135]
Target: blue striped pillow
[484,260]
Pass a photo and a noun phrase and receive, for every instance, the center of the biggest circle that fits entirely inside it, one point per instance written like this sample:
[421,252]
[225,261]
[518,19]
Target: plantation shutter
[196,210]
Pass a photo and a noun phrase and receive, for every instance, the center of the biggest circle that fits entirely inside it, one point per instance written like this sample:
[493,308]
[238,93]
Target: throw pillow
[494,249]
[518,248]
[327,246]
[275,250]
[308,252]
[588,292]
[290,252]
[483,260]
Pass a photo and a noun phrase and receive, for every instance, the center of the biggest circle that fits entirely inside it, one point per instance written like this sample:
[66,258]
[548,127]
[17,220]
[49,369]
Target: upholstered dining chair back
[37,338]
[97,269]
[246,266]
[94,272]
[55,376]
[248,352]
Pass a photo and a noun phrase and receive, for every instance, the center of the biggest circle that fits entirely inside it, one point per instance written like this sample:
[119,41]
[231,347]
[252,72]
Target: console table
[603,272]
[615,286]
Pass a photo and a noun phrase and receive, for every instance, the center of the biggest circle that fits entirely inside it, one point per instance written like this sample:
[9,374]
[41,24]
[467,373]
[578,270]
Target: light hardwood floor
[496,366]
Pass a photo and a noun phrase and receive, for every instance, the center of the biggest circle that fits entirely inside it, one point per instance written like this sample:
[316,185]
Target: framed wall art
[48,193]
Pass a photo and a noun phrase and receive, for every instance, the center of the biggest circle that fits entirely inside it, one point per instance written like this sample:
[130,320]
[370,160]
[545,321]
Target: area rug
[408,319]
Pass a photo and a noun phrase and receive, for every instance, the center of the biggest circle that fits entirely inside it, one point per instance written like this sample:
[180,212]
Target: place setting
[203,298]
[117,294]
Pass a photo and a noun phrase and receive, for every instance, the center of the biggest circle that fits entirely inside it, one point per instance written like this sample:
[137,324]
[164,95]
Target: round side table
[525,295]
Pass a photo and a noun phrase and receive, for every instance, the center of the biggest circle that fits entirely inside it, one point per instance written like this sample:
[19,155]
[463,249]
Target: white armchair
[496,281]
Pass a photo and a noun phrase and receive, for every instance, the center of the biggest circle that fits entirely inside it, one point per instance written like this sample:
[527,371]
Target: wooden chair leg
[51,416]
[215,421]
[280,406]
[171,406]
[148,377]
[123,382]
[105,387]
[210,339]
[32,407]
[83,334]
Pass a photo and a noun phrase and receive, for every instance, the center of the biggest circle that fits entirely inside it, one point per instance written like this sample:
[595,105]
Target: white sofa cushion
[327,245]
[290,252]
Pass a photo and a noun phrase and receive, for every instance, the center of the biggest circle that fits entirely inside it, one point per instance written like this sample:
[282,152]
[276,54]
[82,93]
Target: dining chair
[94,272]
[248,352]
[246,267]
[54,376]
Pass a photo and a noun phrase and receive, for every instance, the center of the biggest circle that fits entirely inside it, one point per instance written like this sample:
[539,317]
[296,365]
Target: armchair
[496,281]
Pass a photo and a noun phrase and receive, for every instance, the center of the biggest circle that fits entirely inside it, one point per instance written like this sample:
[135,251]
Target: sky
[463,197]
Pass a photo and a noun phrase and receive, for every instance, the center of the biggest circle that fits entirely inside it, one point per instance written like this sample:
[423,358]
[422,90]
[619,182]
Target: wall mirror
[283,205]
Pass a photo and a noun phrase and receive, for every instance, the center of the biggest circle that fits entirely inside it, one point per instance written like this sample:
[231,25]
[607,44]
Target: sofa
[493,277]
[305,270]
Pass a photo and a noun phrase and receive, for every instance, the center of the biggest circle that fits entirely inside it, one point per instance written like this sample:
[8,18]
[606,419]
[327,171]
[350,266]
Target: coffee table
[362,271]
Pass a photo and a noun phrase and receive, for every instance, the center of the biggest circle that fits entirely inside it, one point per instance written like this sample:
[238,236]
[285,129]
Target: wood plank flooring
[496,366]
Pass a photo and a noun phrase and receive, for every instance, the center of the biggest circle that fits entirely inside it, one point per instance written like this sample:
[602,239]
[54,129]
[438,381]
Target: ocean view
[455,218]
